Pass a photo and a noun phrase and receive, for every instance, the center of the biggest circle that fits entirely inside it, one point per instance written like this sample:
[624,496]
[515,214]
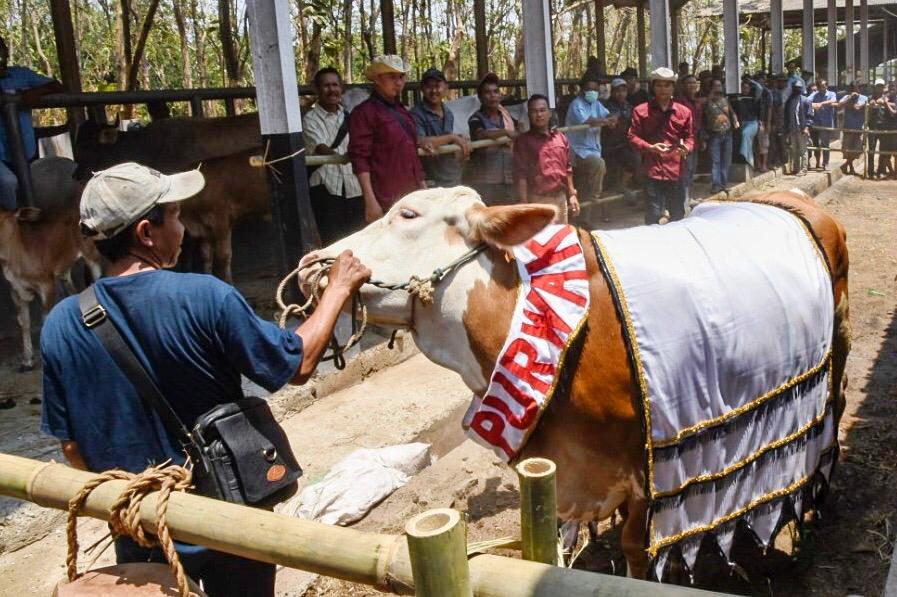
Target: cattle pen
[390,563]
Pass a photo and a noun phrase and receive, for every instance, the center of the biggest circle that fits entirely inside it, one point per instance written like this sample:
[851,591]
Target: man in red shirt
[542,170]
[663,132]
[383,140]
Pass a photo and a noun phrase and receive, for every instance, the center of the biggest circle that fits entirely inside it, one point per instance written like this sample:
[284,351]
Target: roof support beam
[832,17]
[850,47]
[277,97]
[660,34]
[864,41]
[640,35]
[808,53]
[885,50]
[730,41]
[538,50]
[777,29]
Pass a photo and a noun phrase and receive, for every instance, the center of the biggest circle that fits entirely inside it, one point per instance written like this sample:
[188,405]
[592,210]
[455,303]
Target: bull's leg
[840,350]
[223,255]
[635,515]
[22,301]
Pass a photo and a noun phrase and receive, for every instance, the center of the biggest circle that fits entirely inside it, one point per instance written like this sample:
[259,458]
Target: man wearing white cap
[383,140]
[195,336]
[663,134]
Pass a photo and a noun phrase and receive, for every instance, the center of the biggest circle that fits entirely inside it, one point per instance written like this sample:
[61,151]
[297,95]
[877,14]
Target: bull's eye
[408,214]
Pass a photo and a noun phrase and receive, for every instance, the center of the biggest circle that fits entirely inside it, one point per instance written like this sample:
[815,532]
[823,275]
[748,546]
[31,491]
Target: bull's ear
[508,225]
[28,214]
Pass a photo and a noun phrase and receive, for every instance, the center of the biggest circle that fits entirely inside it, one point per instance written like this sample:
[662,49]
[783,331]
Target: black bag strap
[342,132]
[95,318]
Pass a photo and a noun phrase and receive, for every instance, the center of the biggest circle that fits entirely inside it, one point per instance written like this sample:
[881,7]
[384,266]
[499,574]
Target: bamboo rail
[369,558]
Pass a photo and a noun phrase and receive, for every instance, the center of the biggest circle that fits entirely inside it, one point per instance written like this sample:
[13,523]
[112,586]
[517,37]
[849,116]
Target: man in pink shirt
[383,140]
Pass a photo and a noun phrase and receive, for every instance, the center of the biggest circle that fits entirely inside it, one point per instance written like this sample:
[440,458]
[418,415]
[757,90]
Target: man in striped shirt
[335,191]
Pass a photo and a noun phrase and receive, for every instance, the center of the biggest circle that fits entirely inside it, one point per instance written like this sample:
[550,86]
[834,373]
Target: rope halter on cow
[422,288]
[124,516]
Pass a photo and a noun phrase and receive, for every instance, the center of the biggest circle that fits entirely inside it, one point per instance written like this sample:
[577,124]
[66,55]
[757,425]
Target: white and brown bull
[464,329]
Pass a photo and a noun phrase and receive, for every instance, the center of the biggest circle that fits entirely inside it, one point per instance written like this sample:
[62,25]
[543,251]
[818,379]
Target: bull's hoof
[7,404]
[26,368]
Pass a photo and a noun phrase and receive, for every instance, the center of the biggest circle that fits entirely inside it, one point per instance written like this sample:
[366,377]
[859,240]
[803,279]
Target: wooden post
[832,59]
[437,548]
[538,49]
[730,42]
[674,38]
[850,49]
[640,36]
[808,45]
[600,35]
[69,71]
[777,28]
[864,41]
[277,97]
[479,21]
[660,34]
[388,21]
[538,510]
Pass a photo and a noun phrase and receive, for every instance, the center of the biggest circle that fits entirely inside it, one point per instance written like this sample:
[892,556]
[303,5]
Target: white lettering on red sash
[554,302]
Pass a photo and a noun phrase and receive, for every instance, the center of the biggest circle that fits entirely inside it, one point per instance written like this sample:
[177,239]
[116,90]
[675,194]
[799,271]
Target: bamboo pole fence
[538,510]
[373,559]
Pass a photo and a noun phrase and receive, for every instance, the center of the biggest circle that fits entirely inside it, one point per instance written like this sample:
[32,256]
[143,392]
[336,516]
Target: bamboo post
[437,547]
[538,510]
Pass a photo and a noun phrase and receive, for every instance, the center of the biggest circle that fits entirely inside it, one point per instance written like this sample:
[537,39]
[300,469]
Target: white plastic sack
[360,481]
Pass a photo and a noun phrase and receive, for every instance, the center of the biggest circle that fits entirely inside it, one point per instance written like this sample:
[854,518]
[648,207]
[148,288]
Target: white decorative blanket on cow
[729,315]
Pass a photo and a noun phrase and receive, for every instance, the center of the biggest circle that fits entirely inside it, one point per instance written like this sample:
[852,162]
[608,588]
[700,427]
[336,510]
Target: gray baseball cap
[118,196]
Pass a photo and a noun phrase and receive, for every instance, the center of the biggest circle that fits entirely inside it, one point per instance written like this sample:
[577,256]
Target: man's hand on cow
[347,274]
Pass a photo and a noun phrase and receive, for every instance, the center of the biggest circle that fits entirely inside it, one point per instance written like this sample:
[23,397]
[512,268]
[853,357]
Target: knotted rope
[124,516]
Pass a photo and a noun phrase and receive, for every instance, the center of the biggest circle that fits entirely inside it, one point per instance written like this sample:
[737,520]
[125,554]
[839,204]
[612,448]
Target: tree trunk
[182,38]
[313,53]
[617,44]
[25,45]
[48,68]
[347,41]
[228,48]
[451,68]
[702,41]
[199,42]
[123,41]
[141,44]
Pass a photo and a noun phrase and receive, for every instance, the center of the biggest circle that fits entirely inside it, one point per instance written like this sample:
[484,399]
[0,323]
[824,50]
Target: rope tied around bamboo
[124,515]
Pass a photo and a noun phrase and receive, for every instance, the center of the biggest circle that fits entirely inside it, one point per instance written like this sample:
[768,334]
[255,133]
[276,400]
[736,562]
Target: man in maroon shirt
[383,140]
[662,131]
[542,170]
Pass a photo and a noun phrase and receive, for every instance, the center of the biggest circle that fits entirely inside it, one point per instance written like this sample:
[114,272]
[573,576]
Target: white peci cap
[118,196]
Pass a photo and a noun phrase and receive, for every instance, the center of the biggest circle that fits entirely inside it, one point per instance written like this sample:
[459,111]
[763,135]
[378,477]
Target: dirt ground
[846,551]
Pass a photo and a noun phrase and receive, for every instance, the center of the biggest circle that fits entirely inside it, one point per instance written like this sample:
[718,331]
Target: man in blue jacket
[798,120]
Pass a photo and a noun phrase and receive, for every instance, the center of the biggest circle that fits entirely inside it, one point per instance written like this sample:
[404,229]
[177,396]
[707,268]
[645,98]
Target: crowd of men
[651,139]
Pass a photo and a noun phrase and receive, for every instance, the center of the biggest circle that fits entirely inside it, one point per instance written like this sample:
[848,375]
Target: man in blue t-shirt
[194,334]
[825,106]
[15,80]
[588,164]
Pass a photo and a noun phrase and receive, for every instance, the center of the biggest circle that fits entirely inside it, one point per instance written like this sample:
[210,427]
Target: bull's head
[430,229]
[92,141]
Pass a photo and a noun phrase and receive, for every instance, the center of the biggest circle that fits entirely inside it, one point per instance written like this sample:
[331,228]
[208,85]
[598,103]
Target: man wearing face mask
[588,164]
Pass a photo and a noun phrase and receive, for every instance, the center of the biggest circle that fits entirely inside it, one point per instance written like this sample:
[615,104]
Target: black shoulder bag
[239,452]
